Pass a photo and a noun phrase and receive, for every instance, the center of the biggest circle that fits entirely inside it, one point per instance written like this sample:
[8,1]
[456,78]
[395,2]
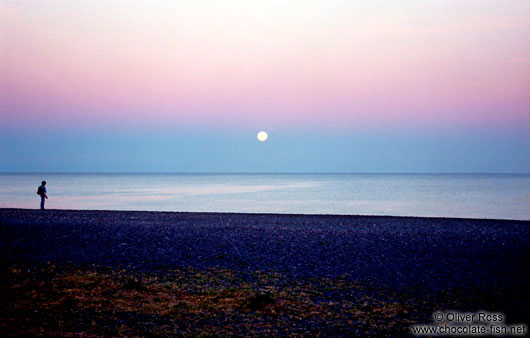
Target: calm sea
[447,195]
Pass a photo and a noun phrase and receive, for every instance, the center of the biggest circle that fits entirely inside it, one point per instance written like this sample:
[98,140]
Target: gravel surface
[429,253]
[488,258]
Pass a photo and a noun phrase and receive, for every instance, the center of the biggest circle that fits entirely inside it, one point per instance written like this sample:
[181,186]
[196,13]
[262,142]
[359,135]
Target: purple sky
[420,77]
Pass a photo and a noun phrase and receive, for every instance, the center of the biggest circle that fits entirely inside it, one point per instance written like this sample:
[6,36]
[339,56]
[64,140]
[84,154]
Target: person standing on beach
[42,192]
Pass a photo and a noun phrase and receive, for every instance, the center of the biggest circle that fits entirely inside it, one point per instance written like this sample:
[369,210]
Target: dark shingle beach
[113,273]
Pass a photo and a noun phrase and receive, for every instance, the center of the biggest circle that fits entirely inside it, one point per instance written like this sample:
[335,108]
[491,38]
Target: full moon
[262,136]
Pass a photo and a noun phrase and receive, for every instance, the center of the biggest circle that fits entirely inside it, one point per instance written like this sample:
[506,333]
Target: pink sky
[265,63]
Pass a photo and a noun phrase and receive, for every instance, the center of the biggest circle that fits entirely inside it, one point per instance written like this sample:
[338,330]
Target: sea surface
[499,196]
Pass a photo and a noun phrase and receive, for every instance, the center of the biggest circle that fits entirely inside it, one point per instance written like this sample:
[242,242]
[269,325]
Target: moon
[262,136]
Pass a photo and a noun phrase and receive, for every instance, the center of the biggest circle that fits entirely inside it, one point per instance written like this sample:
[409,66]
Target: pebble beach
[355,275]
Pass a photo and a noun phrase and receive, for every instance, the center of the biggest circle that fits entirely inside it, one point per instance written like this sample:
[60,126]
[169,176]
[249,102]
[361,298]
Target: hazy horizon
[263,173]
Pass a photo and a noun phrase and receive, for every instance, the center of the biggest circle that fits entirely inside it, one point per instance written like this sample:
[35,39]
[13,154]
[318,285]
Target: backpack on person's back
[39,190]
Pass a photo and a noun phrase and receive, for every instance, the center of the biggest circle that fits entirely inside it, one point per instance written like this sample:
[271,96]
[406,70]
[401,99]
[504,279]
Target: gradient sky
[340,86]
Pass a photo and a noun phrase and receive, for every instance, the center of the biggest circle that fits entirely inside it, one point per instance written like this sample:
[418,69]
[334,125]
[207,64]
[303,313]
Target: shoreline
[273,214]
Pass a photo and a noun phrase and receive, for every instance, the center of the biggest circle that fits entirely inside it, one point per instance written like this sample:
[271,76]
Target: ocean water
[500,196]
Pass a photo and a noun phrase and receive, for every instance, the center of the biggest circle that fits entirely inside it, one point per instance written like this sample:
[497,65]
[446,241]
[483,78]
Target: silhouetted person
[42,192]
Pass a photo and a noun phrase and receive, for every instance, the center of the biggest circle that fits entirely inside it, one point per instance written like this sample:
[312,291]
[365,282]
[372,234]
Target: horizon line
[264,173]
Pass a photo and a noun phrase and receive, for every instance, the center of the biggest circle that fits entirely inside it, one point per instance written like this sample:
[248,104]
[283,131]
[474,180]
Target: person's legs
[42,198]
